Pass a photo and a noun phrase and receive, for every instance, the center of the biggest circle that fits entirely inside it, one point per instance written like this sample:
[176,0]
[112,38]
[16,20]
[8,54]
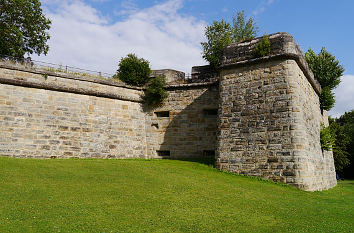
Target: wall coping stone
[68,76]
[68,89]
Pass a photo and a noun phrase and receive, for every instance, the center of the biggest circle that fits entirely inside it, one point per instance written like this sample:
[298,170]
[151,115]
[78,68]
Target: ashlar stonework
[258,116]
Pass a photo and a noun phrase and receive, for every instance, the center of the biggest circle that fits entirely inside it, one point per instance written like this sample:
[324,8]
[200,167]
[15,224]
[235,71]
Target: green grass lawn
[159,196]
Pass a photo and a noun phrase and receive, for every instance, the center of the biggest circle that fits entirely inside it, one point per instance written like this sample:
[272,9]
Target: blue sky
[95,34]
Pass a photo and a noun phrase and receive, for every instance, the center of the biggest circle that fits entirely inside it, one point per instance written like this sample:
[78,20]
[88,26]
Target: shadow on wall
[185,127]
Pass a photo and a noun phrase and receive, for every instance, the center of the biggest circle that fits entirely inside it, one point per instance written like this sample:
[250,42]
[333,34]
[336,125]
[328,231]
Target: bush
[262,48]
[133,70]
[327,138]
[155,92]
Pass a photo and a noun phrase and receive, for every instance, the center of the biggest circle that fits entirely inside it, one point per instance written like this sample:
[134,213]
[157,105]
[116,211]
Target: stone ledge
[75,86]
[193,85]
[67,76]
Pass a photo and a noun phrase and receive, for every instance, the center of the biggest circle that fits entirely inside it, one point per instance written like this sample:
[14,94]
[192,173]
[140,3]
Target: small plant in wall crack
[45,76]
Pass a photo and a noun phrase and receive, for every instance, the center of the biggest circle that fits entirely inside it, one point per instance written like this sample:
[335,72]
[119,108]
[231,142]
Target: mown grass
[159,196]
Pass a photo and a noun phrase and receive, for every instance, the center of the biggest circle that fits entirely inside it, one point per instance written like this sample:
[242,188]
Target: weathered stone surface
[64,117]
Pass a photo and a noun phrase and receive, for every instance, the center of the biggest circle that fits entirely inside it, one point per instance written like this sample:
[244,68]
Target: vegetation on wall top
[220,34]
[133,70]
[136,71]
[262,48]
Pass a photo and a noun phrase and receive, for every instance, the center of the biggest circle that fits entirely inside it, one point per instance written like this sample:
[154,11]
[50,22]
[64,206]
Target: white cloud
[344,96]
[82,37]
[262,6]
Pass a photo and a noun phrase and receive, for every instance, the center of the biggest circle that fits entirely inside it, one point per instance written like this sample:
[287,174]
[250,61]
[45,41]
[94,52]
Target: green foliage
[346,121]
[347,118]
[243,30]
[340,148]
[220,34]
[327,100]
[325,67]
[98,195]
[23,28]
[262,48]
[155,92]
[327,138]
[133,70]
[327,71]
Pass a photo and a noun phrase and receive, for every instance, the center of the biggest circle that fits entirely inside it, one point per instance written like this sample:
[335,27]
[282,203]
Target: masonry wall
[190,129]
[314,167]
[46,116]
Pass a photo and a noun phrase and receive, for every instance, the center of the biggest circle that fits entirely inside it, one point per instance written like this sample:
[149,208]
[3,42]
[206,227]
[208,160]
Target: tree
[133,70]
[346,121]
[327,71]
[340,150]
[243,30]
[221,34]
[23,28]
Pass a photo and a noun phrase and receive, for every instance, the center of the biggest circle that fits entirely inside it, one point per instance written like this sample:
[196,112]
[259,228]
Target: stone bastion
[257,116]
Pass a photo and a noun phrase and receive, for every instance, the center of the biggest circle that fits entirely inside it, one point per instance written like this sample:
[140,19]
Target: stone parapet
[201,74]
[172,76]
[49,80]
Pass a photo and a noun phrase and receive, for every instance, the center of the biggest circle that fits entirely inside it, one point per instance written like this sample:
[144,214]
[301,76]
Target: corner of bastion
[269,116]
[259,116]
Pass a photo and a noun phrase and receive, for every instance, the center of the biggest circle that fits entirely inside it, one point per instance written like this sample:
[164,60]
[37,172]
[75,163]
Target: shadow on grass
[206,160]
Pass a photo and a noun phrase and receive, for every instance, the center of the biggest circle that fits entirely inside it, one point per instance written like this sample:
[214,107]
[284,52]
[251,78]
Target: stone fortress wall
[259,117]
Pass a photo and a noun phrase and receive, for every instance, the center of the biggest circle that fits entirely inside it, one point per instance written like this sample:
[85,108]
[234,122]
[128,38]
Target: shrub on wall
[327,138]
[262,48]
[328,72]
[155,92]
[133,70]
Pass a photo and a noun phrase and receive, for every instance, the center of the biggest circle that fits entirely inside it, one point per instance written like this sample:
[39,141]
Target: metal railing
[46,66]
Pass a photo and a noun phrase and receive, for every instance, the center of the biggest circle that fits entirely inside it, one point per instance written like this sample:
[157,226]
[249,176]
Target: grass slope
[159,196]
